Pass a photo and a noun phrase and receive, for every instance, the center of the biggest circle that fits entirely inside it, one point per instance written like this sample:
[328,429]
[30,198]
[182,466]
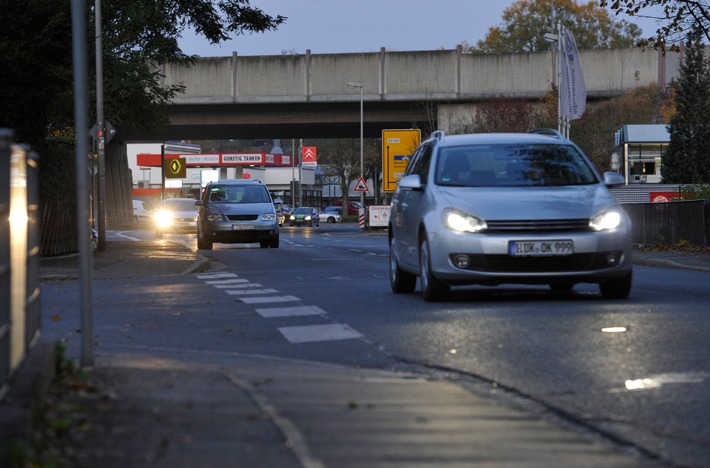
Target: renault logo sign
[175,168]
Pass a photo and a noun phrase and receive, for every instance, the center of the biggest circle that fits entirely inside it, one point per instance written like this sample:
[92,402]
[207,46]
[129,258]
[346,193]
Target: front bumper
[234,233]
[597,256]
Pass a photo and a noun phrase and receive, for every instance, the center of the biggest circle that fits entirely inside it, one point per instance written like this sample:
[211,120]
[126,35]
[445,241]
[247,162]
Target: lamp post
[351,84]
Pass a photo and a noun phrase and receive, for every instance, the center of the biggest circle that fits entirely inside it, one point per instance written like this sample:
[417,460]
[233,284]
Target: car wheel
[330,219]
[264,244]
[433,289]
[274,243]
[202,243]
[618,288]
[562,287]
[401,281]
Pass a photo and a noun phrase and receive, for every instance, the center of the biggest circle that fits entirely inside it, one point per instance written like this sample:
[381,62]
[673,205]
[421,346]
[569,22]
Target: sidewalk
[134,411]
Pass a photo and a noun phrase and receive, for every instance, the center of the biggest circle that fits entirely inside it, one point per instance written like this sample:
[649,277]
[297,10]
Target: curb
[29,388]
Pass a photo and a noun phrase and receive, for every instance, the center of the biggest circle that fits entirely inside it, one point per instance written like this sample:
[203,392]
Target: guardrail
[19,255]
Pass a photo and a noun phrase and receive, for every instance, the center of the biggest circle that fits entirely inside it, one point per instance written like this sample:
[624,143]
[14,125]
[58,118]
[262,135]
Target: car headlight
[308,218]
[292,217]
[214,217]
[163,219]
[462,222]
[268,216]
[606,220]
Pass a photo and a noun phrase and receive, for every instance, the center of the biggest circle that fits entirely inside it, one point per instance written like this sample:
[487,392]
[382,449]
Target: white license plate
[546,248]
[242,227]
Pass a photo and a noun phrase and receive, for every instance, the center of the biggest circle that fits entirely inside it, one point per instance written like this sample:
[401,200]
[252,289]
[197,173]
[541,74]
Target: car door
[407,208]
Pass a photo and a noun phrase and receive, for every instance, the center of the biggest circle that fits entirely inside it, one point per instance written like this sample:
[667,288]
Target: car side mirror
[613,179]
[412,182]
[199,203]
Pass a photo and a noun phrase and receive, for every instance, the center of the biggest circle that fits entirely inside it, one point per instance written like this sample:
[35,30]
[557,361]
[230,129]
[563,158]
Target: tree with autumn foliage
[525,23]
[677,20]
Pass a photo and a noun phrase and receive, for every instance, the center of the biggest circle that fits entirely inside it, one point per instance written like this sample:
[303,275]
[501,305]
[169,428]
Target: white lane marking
[120,234]
[238,286]
[241,292]
[313,333]
[266,300]
[290,311]
[217,275]
[227,281]
[656,381]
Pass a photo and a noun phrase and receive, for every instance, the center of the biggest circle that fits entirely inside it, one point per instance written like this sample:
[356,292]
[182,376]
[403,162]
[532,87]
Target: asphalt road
[560,353]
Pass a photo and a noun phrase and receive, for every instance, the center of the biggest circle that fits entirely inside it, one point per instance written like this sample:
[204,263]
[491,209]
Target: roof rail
[438,134]
[549,132]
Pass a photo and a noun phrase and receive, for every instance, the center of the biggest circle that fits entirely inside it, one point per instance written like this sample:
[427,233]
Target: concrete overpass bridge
[305,96]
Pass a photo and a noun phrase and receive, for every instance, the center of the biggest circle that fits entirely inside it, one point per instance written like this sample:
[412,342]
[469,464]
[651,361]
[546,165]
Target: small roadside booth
[642,148]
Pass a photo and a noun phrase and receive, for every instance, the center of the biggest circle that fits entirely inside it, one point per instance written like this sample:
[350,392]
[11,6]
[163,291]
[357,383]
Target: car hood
[521,203]
[241,208]
[183,214]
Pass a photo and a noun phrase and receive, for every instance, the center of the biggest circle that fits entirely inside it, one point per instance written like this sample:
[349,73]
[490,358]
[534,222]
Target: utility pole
[101,140]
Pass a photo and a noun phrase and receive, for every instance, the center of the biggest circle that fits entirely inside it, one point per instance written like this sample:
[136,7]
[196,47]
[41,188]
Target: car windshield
[302,211]
[239,194]
[332,209]
[180,205]
[512,165]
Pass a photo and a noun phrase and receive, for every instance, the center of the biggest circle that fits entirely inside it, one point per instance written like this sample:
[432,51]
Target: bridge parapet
[407,76]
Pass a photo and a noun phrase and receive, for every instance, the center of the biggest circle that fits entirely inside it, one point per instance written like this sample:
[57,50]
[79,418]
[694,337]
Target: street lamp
[351,84]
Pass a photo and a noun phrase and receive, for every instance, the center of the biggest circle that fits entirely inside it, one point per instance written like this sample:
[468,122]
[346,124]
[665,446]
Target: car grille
[539,226]
[510,264]
[243,217]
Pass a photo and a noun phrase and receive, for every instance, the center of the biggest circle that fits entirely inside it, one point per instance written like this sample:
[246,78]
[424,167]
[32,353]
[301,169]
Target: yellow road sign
[175,168]
[397,149]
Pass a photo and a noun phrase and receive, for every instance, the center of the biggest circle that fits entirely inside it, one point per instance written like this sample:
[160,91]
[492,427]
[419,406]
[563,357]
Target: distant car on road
[492,209]
[176,215]
[141,212]
[305,215]
[353,206]
[332,214]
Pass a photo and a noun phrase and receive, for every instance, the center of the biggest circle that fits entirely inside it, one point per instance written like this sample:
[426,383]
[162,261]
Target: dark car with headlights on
[490,209]
[176,215]
[237,211]
[304,215]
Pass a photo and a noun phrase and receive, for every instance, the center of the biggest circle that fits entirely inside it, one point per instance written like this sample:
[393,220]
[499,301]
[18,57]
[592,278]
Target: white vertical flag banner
[573,93]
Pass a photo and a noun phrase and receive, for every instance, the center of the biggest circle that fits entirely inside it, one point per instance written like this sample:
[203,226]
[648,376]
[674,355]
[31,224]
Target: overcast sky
[341,26]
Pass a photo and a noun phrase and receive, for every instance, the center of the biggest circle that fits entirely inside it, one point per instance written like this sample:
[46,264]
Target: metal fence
[19,255]
[669,223]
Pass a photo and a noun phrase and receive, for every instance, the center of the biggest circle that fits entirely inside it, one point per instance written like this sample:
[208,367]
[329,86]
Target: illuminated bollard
[5,149]
[24,252]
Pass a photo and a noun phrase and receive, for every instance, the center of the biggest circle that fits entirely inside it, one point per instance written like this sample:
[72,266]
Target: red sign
[663,197]
[309,156]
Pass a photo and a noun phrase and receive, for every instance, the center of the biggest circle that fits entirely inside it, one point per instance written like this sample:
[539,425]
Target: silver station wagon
[491,209]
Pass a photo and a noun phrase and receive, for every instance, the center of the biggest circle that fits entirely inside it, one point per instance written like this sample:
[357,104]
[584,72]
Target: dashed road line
[227,282]
[244,292]
[267,300]
[298,311]
[313,333]
[238,286]
[254,293]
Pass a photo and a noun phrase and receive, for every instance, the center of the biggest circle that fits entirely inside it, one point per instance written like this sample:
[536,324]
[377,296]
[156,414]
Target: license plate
[242,227]
[546,248]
